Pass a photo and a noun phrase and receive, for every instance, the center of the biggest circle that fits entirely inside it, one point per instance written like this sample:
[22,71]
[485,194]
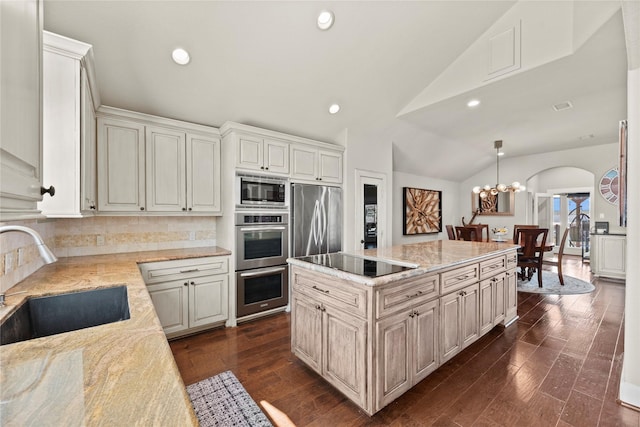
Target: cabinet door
[487,309]
[306,331]
[171,301]
[393,357]
[276,156]
[425,340]
[165,170]
[121,170]
[344,355]
[21,101]
[500,294]
[208,300]
[511,295]
[203,174]
[611,256]
[250,152]
[88,188]
[450,325]
[470,304]
[330,166]
[304,163]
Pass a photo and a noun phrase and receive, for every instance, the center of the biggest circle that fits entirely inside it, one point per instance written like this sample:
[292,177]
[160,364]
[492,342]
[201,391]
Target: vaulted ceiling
[401,71]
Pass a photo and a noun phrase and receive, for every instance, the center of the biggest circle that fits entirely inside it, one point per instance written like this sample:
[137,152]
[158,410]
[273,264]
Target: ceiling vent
[563,106]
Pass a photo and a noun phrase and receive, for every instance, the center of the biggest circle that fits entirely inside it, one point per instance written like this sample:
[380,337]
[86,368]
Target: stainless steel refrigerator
[316,219]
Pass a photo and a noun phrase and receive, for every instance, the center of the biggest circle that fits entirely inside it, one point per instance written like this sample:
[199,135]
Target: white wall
[564,177]
[450,208]
[596,159]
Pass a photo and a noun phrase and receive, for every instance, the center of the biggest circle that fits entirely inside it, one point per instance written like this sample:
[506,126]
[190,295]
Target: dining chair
[557,260]
[450,232]
[530,259]
[521,226]
[466,233]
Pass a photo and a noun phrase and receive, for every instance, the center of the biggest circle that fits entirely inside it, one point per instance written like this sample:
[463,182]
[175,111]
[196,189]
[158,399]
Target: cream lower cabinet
[492,302]
[333,343]
[608,255]
[407,345]
[459,318]
[188,295]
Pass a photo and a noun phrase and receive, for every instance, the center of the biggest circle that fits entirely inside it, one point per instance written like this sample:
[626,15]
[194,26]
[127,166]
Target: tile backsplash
[99,235]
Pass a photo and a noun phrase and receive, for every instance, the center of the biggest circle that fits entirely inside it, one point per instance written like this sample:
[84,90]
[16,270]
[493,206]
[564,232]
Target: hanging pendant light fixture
[488,190]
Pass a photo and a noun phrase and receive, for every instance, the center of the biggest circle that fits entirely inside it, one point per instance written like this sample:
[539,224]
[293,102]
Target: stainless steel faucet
[46,254]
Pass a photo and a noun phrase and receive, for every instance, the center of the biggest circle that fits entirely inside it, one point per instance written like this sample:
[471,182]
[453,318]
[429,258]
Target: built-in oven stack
[261,262]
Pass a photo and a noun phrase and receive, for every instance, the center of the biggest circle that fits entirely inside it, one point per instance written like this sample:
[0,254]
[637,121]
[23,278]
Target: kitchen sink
[44,316]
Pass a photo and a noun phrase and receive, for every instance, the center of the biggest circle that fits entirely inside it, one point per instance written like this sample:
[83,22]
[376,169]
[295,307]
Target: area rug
[551,285]
[222,401]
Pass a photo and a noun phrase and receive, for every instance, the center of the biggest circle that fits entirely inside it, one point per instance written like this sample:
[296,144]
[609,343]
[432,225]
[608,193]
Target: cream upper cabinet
[609,255]
[260,154]
[165,166]
[21,105]
[121,166]
[69,126]
[179,167]
[203,174]
[309,163]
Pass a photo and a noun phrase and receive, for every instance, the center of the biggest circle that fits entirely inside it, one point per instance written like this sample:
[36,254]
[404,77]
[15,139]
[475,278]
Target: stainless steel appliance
[316,219]
[358,265]
[262,247]
[261,192]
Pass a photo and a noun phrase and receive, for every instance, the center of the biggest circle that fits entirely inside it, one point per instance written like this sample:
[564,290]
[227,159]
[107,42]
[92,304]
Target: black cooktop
[355,265]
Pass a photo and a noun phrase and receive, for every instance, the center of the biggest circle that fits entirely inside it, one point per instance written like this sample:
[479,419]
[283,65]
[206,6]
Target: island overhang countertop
[426,257]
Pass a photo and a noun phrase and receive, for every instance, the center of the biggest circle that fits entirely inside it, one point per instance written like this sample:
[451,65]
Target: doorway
[370,220]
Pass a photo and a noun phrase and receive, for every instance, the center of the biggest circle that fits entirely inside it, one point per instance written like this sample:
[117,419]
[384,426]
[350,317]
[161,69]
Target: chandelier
[489,192]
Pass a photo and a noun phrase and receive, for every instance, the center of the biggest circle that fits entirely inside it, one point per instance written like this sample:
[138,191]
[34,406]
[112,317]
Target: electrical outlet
[20,257]
[192,235]
[8,262]
[100,240]
[601,216]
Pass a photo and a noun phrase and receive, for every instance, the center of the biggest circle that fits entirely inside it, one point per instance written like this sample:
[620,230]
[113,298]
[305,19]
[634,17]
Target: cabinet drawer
[156,272]
[512,260]
[338,293]
[457,279]
[492,266]
[405,294]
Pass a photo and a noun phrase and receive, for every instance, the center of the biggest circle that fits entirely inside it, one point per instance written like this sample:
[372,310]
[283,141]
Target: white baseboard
[630,394]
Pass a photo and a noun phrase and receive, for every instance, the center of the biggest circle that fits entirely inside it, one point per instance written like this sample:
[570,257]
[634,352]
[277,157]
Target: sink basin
[44,316]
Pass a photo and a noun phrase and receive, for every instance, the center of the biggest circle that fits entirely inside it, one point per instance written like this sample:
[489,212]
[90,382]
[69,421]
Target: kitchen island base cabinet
[459,311]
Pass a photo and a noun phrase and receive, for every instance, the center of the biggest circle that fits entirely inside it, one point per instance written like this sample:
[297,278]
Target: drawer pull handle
[320,307]
[466,276]
[414,295]
[191,270]
[321,290]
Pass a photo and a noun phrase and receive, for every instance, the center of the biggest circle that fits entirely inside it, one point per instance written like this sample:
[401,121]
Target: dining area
[534,242]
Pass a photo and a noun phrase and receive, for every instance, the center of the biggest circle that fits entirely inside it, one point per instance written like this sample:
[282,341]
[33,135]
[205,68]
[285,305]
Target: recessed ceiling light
[563,106]
[325,19]
[180,56]
[334,108]
[473,103]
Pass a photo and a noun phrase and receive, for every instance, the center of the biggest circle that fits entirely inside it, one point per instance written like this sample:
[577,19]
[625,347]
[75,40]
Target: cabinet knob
[184,209]
[51,190]
[193,283]
[190,209]
[141,208]
[92,206]
[262,167]
[267,168]
[186,283]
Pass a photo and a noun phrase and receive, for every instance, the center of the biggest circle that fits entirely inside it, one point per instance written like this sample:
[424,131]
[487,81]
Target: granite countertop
[427,256]
[120,373]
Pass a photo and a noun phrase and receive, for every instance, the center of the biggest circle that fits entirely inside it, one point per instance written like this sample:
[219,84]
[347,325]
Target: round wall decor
[609,186]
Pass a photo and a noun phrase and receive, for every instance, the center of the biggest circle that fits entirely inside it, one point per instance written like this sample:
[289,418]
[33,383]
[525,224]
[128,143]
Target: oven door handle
[263,272]
[261,228]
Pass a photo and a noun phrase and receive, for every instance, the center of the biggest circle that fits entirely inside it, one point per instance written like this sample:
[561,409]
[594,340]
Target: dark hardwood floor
[559,365]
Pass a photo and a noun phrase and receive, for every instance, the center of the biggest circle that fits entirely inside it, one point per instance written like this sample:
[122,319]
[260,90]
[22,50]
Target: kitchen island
[120,374]
[378,328]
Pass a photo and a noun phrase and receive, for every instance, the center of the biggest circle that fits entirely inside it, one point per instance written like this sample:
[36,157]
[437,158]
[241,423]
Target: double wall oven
[262,248]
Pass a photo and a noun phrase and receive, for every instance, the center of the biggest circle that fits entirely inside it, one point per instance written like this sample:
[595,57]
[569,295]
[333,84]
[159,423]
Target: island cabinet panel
[306,332]
[336,292]
[407,345]
[458,278]
[406,293]
[459,320]
[492,302]
[492,266]
[511,296]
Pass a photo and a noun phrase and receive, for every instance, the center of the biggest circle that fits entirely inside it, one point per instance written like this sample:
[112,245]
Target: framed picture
[422,211]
